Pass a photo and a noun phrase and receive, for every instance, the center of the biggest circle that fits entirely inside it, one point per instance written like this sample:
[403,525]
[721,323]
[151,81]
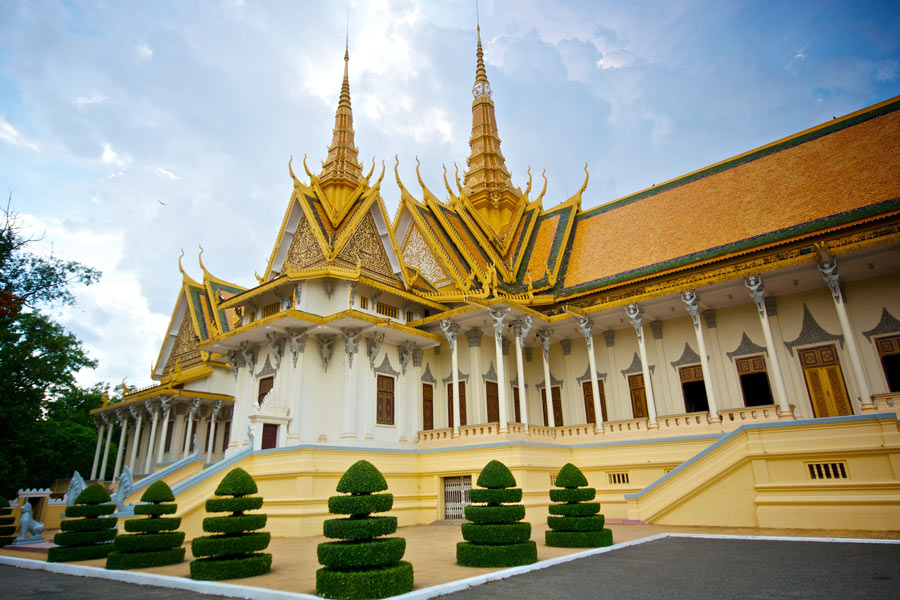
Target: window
[427,406]
[386,309]
[363,303]
[754,381]
[492,394]
[889,352]
[588,393]
[462,403]
[265,386]
[517,408]
[384,413]
[556,397]
[269,310]
[269,436]
[693,389]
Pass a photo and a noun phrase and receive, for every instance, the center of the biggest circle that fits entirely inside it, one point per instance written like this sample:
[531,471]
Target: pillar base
[786,415]
[652,425]
[868,407]
[598,431]
[715,419]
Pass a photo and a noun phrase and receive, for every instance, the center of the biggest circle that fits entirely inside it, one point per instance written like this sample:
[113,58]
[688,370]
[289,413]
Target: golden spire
[487,183]
[342,165]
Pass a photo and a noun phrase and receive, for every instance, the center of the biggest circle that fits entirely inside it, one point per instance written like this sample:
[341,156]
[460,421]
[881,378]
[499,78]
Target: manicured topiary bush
[363,564]
[152,542]
[233,549]
[91,536]
[7,529]
[496,537]
[575,523]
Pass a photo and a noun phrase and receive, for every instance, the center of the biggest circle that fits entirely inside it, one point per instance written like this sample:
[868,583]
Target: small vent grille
[269,310]
[386,310]
[828,470]
[553,479]
[618,478]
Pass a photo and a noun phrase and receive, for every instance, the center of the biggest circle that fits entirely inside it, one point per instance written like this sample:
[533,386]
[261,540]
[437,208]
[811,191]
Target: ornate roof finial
[342,164]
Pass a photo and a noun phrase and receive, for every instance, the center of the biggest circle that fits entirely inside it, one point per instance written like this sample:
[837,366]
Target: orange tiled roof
[812,181]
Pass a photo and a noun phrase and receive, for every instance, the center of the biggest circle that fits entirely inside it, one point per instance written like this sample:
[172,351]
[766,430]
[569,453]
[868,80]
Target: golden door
[825,381]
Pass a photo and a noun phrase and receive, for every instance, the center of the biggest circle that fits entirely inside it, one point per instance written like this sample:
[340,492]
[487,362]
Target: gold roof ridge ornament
[341,173]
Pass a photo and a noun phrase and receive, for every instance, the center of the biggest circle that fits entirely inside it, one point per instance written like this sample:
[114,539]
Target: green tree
[38,357]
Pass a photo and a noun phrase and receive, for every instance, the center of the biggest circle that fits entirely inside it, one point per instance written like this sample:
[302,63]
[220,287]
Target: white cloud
[110,157]
[82,101]
[616,59]
[165,173]
[11,135]
[144,51]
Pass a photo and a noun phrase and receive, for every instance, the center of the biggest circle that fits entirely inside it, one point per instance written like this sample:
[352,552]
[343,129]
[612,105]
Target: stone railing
[881,403]
[628,429]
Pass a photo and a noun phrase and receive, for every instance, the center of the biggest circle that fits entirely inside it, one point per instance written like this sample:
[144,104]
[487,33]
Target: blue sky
[130,130]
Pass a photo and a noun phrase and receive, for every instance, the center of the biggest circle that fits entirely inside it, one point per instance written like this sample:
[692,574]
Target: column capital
[474,337]
[351,343]
[689,298]
[829,271]
[450,330]
[521,327]
[544,335]
[497,316]
[587,330]
[755,288]
[636,315]
[297,338]
[135,411]
[195,404]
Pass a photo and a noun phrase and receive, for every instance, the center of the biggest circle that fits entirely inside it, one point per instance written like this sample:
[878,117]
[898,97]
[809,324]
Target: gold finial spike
[200,258]
[342,164]
[181,268]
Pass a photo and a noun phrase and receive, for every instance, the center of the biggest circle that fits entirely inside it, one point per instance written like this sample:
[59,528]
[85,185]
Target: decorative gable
[365,247]
[304,250]
[418,255]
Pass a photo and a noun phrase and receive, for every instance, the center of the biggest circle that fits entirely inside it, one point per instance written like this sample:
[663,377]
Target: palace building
[721,349]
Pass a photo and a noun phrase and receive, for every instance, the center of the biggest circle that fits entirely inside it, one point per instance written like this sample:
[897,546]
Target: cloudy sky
[130,130]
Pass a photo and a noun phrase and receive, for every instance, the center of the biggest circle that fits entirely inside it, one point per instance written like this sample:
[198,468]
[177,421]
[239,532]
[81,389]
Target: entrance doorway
[754,381]
[462,404]
[456,496]
[588,392]
[493,402]
[517,407]
[825,381]
[427,406]
[889,352]
[638,396]
[693,389]
[556,397]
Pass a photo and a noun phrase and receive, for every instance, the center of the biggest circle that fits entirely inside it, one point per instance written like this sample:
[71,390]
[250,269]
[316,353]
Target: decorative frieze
[587,375]
[812,333]
[745,348]
[385,367]
[887,324]
[427,377]
[635,366]
[688,357]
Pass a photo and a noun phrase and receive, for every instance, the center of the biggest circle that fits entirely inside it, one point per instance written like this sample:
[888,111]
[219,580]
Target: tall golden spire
[342,167]
[487,182]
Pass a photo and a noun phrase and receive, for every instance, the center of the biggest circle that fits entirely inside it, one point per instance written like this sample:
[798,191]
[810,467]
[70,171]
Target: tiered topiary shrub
[233,550]
[151,542]
[7,529]
[90,537]
[575,523]
[363,564]
[497,536]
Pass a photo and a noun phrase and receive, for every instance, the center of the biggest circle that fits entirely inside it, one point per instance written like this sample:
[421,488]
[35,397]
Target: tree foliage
[38,363]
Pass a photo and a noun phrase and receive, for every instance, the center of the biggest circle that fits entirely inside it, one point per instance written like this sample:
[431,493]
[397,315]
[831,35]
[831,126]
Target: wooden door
[517,409]
[588,392]
[384,413]
[638,396]
[269,435]
[556,398]
[825,381]
[427,406]
[462,403]
[493,402]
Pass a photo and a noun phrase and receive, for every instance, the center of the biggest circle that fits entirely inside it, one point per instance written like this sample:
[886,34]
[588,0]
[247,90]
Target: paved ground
[701,569]
[27,584]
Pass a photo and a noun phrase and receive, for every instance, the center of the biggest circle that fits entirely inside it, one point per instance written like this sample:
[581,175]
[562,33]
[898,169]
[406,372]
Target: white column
[475,393]
[166,408]
[138,415]
[97,449]
[636,315]
[521,328]
[755,285]
[297,342]
[613,383]
[693,307]
[188,426]
[497,315]
[451,330]
[109,425]
[587,330]
[120,452]
[148,463]
[544,334]
[351,409]
[829,271]
[212,430]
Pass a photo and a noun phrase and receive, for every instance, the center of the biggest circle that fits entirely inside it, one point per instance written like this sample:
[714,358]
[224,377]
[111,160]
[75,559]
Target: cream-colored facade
[723,348]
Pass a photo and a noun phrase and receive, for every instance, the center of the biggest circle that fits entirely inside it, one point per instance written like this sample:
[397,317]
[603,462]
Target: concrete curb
[231,590]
